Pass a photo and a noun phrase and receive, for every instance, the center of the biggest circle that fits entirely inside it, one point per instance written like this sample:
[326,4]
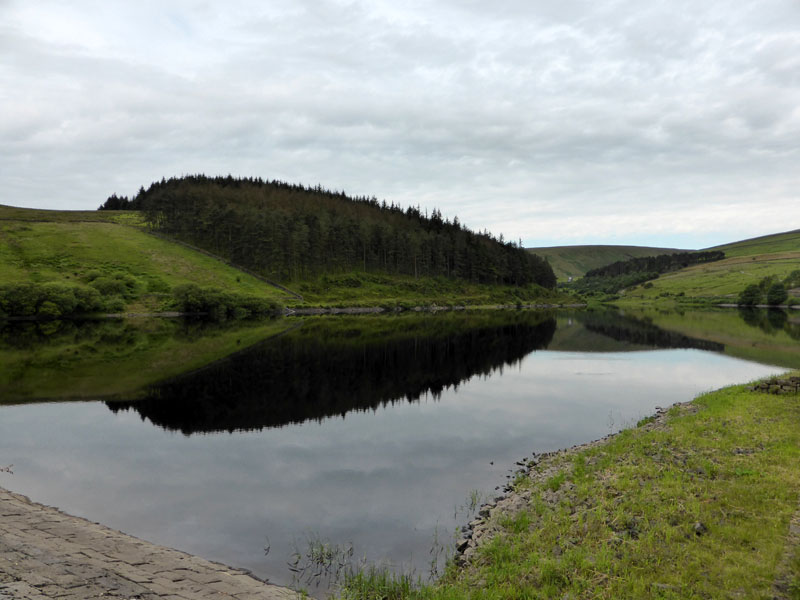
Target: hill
[765,244]
[294,233]
[115,253]
[747,262]
[106,254]
[575,261]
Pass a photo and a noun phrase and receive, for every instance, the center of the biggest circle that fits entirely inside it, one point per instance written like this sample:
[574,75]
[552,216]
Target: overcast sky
[667,122]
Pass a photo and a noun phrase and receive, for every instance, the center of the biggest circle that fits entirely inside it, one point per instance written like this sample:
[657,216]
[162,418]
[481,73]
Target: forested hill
[292,232]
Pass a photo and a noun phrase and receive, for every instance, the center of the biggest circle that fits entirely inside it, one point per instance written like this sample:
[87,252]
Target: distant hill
[575,261]
[747,261]
[788,241]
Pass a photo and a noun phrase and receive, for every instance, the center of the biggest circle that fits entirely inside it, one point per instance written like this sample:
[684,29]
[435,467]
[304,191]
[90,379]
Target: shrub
[88,300]
[109,286]
[776,294]
[50,300]
[48,310]
[750,296]
[219,305]
[114,305]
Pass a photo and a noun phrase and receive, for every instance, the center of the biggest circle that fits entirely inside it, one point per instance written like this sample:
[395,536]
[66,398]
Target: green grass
[698,508]
[718,281]
[376,289]
[113,358]
[767,244]
[575,261]
[67,250]
[13,213]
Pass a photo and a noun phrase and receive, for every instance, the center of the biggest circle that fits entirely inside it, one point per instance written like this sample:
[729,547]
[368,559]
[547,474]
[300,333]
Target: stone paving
[45,553]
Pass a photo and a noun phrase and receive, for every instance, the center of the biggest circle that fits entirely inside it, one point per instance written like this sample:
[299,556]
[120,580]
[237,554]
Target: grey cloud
[548,109]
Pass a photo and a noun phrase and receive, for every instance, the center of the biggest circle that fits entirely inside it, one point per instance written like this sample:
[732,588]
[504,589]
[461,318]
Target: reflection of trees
[769,321]
[299,377]
[105,335]
[641,331]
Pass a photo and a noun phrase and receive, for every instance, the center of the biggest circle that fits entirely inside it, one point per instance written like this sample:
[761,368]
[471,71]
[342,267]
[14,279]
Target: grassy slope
[697,507]
[63,246]
[767,244]
[575,261]
[747,262]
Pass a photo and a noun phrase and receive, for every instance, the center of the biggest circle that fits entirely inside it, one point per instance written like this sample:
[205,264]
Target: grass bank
[356,289]
[695,503]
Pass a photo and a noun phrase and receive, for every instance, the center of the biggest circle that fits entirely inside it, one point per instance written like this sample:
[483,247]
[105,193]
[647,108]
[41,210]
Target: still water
[370,432]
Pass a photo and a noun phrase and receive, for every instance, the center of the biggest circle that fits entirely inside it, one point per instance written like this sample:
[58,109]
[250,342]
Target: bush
[48,310]
[219,305]
[49,300]
[88,300]
[109,286]
[776,294]
[750,296]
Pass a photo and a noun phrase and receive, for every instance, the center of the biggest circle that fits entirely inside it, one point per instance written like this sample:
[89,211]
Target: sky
[670,123]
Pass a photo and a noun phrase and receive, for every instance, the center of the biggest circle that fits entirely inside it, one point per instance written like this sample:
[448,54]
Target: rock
[462,545]
[699,528]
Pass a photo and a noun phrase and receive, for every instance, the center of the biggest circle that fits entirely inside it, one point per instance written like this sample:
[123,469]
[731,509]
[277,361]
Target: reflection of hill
[317,372]
[642,332]
[768,337]
[607,331]
[572,336]
[63,360]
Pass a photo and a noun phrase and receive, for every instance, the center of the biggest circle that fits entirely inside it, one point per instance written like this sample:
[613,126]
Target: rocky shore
[539,469]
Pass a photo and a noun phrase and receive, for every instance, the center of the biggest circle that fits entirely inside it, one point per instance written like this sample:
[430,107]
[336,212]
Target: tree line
[291,232]
[628,273]
[662,263]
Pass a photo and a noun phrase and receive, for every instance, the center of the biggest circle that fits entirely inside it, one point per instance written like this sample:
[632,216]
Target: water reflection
[361,431]
[643,332]
[62,360]
[333,366]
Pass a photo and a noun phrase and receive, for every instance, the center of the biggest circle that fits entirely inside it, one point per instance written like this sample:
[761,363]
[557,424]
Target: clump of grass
[379,583]
[645,421]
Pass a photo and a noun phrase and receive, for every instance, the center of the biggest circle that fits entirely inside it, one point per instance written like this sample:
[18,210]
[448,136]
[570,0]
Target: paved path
[45,553]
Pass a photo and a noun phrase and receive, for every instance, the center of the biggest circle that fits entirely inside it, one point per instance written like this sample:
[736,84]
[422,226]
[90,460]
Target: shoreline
[292,312]
[700,499]
[539,468]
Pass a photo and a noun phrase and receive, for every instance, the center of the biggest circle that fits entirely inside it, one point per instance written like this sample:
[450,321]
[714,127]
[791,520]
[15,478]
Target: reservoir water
[372,433]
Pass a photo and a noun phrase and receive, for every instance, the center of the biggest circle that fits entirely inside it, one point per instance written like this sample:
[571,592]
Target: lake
[367,432]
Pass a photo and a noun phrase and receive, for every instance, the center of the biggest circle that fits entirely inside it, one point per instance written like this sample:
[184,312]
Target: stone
[699,528]
[54,555]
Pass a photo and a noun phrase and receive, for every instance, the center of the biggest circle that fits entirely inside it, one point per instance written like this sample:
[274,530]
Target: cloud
[523,118]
